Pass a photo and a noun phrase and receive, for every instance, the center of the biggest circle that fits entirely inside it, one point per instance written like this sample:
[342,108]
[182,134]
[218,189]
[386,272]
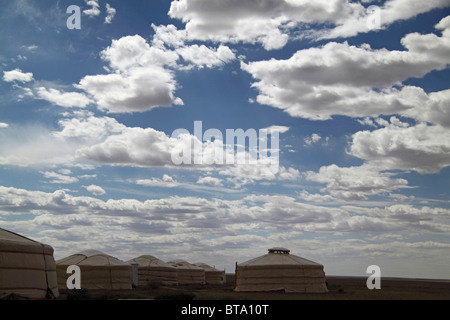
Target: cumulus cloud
[202,56]
[133,147]
[212,181]
[95,190]
[313,139]
[271,23]
[422,148]
[305,195]
[363,20]
[166,182]
[111,12]
[140,81]
[17,75]
[174,225]
[94,10]
[355,183]
[63,99]
[88,128]
[263,22]
[141,74]
[26,145]
[59,178]
[260,211]
[431,107]
[341,79]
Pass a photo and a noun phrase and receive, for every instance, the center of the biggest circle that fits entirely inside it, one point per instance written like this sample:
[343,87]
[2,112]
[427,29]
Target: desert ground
[340,288]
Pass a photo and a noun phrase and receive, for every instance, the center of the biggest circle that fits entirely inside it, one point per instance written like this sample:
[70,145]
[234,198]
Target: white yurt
[279,270]
[212,275]
[188,273]
[99,271]
[27,267]
[152,270]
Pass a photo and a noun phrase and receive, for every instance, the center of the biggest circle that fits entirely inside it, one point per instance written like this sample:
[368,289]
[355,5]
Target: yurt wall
[27,267]
[280,271]
[152,270]
[98,271]
[188,273]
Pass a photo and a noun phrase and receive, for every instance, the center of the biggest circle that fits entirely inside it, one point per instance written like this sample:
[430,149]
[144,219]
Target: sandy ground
[340,288]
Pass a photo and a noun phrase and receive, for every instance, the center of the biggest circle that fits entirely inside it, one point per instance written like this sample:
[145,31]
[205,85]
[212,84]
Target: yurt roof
[150,261]
[278,256]
[18,241]
[182,264]
[9,235]
[91,257]
[205,266]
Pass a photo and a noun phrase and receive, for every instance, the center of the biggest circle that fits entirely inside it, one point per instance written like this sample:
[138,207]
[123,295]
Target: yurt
[279,270]
[188,273]
[27,267]
[152,270]
[99,271]
[212,275]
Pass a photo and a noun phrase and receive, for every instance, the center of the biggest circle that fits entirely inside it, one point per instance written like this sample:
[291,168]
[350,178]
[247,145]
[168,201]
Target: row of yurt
[188,273]
[279,270]
[99,271]
[152,270]
[212,275]
[27,267]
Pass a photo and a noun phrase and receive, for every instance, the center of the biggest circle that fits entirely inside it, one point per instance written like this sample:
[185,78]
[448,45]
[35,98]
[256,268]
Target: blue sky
[361,109]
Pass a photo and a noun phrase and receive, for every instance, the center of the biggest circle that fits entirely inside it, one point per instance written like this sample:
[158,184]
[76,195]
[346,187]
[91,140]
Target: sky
[114,132]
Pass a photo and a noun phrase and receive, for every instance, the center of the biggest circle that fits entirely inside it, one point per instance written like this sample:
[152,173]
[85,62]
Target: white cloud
[363,20]
[313,139]
[271,22]
[422,148]
[166,182]
[95,190]
[141,75]
[94,10]
[63,99]
[305,195]
[32,144]
[355,183]
[111,12]
[132,147]
[175,225]
[202,56]
[261,22]
[140,81]
[168,35]
[185,214]
[17,75]
[59,178]
[340,79]
[65,171]
[210,181]
[88,128]
[280,129]
[3,125]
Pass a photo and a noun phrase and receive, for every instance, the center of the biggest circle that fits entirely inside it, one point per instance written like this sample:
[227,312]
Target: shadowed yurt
[152,270]
[280,271]
[27,267]
[188,273]
[212,275]
[99,271]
